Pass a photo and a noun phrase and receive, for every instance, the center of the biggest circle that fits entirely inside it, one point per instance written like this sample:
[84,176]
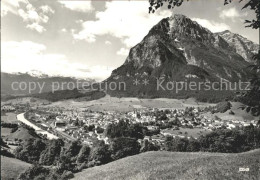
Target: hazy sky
[91,38]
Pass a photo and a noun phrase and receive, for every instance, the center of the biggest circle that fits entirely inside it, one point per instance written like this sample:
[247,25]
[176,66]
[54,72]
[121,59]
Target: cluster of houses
[74,123]
[15,107]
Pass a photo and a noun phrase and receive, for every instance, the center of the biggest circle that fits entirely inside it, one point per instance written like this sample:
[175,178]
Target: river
[20,117]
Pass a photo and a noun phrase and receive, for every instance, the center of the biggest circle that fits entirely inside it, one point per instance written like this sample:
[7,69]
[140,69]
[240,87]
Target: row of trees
[221,140]
[74,156]
[123,142]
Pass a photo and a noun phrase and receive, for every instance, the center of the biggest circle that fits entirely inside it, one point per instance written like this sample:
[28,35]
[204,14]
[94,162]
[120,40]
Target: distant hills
[49,82]
[51,88]
[177,165]
[179,49]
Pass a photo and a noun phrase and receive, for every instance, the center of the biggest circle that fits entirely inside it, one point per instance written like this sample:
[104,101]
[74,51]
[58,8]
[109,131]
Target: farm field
[240,115]
[9,118]
[5,132]
[108,103]
[195,132]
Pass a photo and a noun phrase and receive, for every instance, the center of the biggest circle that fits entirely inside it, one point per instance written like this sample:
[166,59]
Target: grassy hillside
[178,165]
[22,134]
[11,168]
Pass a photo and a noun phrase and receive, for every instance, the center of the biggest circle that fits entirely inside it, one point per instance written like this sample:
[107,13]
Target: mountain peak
[37,73]
[179,16]
[179,25]
[226,31]
[180,19]
[242,45]
[175,49]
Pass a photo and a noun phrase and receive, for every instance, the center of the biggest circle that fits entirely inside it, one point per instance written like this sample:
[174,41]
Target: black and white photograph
[130,90]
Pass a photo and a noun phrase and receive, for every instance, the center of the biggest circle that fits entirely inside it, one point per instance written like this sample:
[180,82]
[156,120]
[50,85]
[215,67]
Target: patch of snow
[36,73]
[191,60]
[223,79]
[191,76]
[238,74]
[116,77]
[144,74]
[226,71]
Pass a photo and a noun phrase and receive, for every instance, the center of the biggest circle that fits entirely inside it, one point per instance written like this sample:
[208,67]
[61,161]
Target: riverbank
[20,117]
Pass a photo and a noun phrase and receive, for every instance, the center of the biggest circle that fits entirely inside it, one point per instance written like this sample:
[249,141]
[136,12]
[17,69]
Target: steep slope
[241,45]
[177,42]
[179,49]
[178,165]
[11,167]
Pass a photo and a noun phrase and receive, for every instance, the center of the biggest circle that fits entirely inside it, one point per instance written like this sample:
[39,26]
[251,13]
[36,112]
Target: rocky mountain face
[241,45]
[178,48]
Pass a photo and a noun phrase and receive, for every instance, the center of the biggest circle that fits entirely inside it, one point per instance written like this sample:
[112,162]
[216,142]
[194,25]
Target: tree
[83,154]
[125,129]
[193,145]
[34,172]
[99,130]
[176,144]
[65,164]
[148,146]
[123,146]
[73,149]
[30,151]
[51,154]
[100,153]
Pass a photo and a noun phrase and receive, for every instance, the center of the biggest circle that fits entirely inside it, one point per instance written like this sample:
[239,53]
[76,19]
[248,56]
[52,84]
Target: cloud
[47,9]
[80,6]
[36,27]
[34,17]
[64,30]
[79,21]
[212,25]
[4,9]
[27,56]
[231,13]
[11,6]
[128,21]
[123,52]
[108,42]
[99,73]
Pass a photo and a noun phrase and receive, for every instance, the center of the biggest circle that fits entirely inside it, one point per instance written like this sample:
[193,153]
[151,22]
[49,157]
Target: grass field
[5,131]
[195,132]
[179,166]
[11,168]
[24,100]
[9,118]
[240,115]
[108,103]
[20,134]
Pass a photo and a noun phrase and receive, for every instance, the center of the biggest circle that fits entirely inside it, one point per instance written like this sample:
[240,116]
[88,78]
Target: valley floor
[108,103]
